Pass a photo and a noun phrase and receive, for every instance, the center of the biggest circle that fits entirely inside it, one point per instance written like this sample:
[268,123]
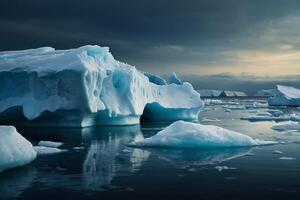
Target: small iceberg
[285,96]
[42,150]
[50,144]
[182,134]
[15,150]
[287,127]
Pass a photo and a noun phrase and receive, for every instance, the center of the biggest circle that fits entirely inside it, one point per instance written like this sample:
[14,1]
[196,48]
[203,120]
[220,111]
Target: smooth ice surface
[42,150]
[182,134]
[15,150]
[50,144]
[84,87]
[285,96]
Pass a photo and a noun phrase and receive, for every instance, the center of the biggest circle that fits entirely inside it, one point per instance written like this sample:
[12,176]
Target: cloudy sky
[236,40]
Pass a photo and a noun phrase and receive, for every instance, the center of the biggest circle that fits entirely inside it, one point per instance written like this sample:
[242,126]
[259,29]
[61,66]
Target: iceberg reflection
[108,155]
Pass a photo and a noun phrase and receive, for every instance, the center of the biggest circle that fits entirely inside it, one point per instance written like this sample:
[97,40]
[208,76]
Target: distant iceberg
[182,134]
[85,87]
[15,150]
[265,93]
[285,96]
[209,93]
[220,93]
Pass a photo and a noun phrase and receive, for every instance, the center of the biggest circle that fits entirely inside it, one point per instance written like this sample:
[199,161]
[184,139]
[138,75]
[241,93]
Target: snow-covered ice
[285,96]
[50,144]
[15,150]
[84,87]
[42,150]
[182,134]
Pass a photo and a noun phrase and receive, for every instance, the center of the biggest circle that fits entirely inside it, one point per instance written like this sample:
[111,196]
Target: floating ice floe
[221,168]
[42,150]
[212,101]
[210,120]
[182,134]
[287,158]
[285,96]
[287,127]
[84,87]
[234,107]
[266,117]
[15,150]
[277,152]
[50,144]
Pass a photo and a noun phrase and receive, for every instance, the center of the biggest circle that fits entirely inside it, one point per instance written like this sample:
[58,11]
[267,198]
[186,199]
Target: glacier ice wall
[84,87]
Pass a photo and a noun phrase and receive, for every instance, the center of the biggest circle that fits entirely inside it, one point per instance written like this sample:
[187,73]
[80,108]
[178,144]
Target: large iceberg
[285,96]
[182,134]
[15,150]
[209,93]
[84,87]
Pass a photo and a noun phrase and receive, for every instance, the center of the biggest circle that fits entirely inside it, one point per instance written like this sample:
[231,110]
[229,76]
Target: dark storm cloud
[158,35]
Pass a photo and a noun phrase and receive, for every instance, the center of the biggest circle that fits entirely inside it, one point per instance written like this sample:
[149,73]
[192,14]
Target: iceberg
[209,93]
[232,94]
[265,93]
[43,150]
[50,144]
[182,134]
[15,150]
[285,96]
[85,87]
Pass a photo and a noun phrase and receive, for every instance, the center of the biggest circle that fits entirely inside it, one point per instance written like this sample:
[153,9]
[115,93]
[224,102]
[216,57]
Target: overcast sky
[239,38]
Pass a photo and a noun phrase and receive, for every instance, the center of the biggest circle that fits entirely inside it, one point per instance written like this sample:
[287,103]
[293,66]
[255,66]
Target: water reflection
[108,155]
[14,182]
[183,158]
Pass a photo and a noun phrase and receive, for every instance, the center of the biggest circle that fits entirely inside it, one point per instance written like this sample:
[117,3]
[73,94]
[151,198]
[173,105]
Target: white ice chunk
[42,150]
[50,144]
[15,150]
[287,158]
[182,134]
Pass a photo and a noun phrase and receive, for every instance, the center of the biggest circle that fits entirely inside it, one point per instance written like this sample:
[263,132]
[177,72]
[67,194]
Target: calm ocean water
[99,165]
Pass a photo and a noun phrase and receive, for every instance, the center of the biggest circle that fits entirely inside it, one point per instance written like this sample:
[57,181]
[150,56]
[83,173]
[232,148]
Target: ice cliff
[84,87]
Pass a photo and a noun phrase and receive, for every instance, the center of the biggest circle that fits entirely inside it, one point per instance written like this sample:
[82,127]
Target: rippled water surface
[98,164]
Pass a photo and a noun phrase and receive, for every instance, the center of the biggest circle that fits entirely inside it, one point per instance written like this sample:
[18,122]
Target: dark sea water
[99,165]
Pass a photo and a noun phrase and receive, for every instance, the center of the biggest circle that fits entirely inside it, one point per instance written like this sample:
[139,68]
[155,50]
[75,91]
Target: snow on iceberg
[15,150]
[182,134]
[285,96]
[84,87]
